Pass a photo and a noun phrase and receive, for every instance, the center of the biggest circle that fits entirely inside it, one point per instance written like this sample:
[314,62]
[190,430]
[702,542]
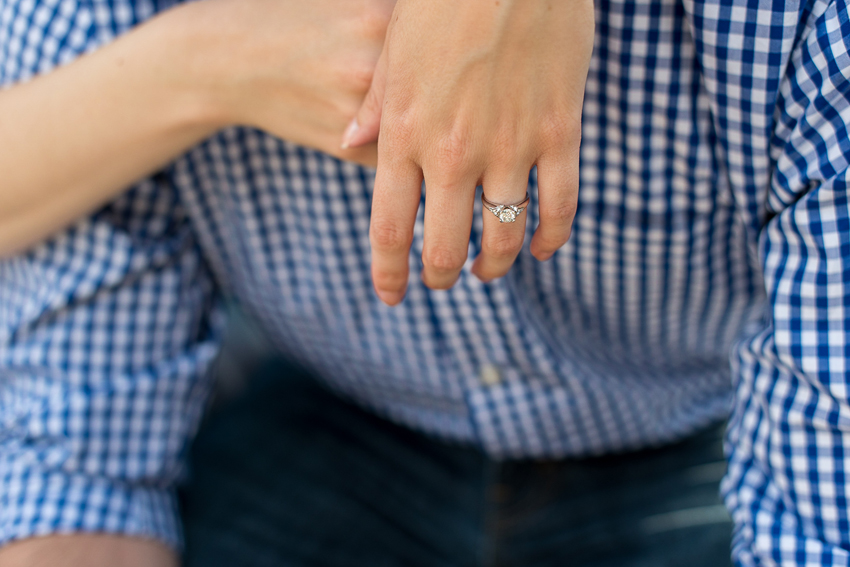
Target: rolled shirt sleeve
[106,333]
[106,330]
[789,439]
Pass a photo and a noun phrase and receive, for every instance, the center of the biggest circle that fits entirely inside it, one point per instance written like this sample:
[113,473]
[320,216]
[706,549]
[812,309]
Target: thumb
[364,127]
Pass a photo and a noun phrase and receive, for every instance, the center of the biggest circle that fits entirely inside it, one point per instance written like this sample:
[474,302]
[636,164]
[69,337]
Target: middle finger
[448,222]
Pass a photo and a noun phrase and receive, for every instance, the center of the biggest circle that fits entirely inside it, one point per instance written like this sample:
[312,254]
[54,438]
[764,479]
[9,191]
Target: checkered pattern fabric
[713,223]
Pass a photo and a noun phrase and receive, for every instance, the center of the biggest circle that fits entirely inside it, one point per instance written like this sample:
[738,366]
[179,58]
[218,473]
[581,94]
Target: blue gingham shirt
[713,226]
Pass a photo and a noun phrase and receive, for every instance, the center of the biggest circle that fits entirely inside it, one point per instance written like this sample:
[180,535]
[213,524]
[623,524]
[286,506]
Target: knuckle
[388,237]
[358,77]
[373,100]
[372,23]
[560,214]
[503,247]
[342,109]
[452,153]
[443,260]
[398,132]
[560,130]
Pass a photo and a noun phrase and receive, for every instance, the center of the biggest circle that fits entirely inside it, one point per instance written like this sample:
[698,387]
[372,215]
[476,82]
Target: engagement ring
[505,213]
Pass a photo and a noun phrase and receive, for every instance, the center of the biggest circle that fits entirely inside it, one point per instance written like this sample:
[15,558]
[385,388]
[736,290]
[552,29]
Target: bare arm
[91,550]
[74,138]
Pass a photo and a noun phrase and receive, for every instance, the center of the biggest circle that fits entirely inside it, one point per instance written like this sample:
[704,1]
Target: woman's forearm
[72,139]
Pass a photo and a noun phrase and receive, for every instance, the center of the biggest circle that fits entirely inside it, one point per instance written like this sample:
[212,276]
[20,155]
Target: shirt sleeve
[789,437]
[106,331]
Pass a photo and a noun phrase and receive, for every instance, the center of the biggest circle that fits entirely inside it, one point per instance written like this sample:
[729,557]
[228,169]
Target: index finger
[395,200]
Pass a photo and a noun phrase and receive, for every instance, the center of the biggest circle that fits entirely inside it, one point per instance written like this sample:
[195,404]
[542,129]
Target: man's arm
[106,330]
[789,438]
[106,335]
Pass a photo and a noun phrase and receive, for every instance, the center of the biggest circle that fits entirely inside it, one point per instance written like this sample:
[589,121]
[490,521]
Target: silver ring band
[505,213]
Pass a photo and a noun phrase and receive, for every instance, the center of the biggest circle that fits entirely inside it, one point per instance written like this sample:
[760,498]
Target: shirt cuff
[33,504]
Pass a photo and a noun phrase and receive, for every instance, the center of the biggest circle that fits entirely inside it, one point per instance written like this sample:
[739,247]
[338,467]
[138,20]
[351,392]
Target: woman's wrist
[204,63]
[295,70]
[179,52]
[182,71]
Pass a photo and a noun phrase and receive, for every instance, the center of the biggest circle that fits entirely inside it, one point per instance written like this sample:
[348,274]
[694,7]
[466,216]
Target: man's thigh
[652,508]
[291,475]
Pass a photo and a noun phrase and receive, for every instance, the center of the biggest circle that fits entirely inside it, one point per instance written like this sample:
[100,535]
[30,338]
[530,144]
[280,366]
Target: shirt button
[490,375]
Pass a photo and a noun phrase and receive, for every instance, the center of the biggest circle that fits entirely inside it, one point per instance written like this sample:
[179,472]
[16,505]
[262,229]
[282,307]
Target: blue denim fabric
[290,475]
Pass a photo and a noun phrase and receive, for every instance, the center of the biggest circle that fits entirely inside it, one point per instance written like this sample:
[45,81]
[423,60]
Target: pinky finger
[557,177]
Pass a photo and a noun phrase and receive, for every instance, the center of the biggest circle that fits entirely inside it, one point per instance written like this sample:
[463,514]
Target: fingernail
[352,129]
[390,297]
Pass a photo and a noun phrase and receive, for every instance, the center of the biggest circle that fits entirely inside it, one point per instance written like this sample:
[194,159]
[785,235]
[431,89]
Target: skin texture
[474,93]
[463,93]
[299,70]
[89,550]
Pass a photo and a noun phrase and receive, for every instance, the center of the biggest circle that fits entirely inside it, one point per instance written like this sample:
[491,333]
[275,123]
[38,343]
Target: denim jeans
[291,475]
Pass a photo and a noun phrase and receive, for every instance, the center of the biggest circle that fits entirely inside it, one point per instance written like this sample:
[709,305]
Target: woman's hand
[299,70]
[468,93]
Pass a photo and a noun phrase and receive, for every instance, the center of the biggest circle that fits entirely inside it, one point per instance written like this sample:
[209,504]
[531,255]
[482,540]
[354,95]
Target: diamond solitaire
[505,213]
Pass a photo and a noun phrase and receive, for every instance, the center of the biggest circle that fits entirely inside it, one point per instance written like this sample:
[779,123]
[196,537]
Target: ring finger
[504,223]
